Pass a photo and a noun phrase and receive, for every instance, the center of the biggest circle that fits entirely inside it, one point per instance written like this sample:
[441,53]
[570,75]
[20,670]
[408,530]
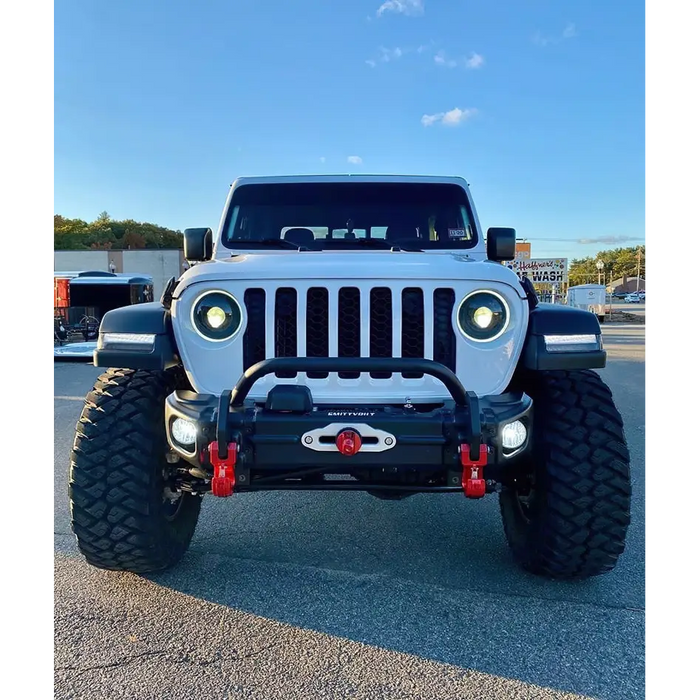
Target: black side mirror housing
[500,243]
[199,244]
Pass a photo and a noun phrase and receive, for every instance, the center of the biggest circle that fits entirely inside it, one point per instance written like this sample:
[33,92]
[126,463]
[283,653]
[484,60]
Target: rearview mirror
[500,243]
[198,244]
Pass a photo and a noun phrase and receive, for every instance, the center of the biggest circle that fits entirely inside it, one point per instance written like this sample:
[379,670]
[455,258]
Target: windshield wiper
[268,243]
[378,243]
[404,245]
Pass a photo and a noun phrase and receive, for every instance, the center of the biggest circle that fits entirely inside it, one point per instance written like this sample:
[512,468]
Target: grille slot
[254,337]
[349,326]
[380,326]
[444,340]
[317,326]
[412,327]
[286,327]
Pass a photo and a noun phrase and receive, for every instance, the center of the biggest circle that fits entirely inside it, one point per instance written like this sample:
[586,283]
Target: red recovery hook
[473,481]
[224,478]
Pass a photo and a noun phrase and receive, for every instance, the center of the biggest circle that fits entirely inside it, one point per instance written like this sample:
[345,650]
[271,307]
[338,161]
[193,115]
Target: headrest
[400,231]
[301,236]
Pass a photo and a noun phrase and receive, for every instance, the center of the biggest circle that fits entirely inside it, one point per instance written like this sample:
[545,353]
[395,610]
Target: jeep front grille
[318,322]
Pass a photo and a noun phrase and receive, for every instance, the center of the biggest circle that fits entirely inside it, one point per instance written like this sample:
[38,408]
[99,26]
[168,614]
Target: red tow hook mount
[348,442]
[224,478]
[473,481]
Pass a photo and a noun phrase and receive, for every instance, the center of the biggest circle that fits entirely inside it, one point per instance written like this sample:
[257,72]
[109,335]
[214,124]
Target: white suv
[353,333]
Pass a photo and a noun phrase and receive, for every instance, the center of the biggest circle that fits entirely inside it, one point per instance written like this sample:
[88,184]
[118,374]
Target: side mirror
[500,243]
[198,244]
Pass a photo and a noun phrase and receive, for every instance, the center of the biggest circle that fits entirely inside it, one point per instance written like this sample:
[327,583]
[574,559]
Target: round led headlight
[216,315]
[483,316]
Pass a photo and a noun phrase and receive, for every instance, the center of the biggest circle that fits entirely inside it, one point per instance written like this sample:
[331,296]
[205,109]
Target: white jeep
[351,333]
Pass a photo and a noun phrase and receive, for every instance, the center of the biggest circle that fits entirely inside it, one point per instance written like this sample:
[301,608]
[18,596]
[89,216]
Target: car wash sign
[541,270]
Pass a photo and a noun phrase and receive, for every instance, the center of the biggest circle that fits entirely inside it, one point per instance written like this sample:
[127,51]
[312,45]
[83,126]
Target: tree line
[105,233]
[617,263]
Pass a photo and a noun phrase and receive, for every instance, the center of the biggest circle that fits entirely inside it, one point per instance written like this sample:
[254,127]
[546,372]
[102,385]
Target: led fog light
[513,435]
[184,431]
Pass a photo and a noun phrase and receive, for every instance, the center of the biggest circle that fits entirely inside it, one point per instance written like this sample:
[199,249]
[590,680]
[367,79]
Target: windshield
[367,216]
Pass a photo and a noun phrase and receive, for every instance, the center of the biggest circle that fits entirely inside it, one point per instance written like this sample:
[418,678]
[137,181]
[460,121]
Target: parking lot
[340,595]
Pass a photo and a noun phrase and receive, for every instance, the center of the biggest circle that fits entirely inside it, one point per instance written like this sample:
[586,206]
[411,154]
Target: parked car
[633,298]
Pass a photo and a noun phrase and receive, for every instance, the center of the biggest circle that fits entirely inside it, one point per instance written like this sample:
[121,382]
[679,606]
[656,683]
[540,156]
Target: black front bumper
[418,448]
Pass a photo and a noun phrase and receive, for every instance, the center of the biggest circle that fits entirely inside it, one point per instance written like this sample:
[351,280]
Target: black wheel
[123,512]
[566,510]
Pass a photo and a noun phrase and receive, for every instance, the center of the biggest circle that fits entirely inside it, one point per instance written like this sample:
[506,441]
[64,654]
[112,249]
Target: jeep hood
[349,265]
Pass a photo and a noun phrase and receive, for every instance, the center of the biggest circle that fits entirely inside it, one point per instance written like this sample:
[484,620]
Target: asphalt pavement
[340,595]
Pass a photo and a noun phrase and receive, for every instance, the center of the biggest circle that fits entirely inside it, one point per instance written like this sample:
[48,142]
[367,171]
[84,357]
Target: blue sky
[539,104]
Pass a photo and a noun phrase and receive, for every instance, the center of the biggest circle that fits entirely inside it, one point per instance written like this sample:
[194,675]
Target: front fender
[151,318]
[555,319]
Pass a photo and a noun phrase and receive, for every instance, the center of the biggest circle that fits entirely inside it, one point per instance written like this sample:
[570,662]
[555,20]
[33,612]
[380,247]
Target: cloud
[412,8]
[441,60]
[355,160]
[387,55]
[456,116]
[596,240]
[609,239]
[452,118]
[474,61]
[568,32]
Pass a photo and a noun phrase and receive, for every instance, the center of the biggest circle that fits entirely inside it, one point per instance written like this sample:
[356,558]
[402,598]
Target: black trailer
[81,299]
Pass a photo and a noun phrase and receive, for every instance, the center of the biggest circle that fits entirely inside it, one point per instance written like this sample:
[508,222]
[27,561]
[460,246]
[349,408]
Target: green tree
[69,234]
[618,263]
[106,233]
[133,240]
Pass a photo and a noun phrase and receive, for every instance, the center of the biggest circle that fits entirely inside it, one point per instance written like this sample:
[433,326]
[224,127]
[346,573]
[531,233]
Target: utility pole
[639,265]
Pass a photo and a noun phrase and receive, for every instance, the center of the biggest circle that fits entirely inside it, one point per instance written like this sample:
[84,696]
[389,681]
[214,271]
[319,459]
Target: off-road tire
[117,476]
[576,521]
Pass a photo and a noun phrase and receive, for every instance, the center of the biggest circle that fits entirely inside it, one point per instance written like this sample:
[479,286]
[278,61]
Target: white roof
[350,177]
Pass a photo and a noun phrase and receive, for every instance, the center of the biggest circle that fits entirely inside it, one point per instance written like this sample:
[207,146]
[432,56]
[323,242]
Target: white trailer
[590,297]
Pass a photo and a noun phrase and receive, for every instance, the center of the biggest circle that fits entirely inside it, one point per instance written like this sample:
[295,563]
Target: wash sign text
[541,270]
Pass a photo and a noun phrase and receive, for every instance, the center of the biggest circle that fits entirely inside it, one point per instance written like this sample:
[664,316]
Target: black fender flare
[556,319]
[148,318]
